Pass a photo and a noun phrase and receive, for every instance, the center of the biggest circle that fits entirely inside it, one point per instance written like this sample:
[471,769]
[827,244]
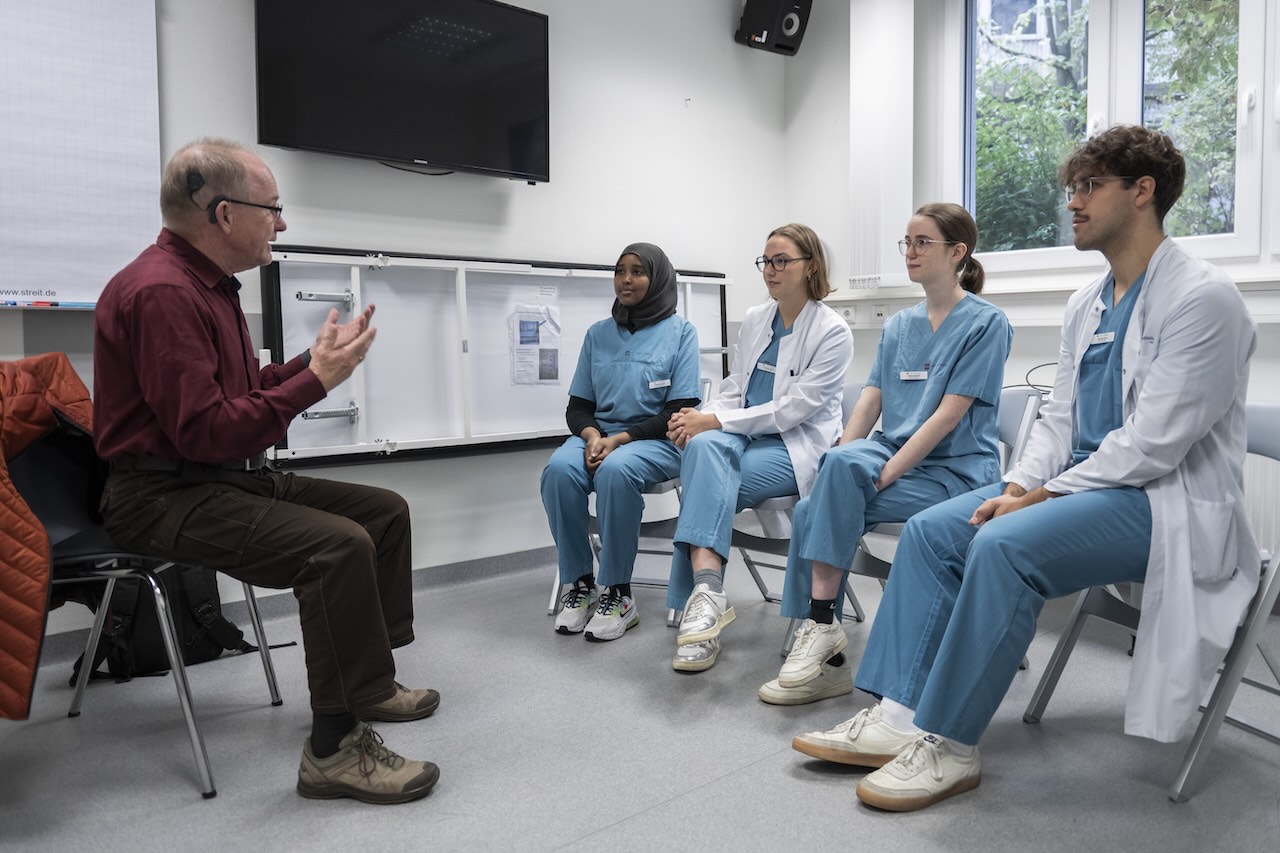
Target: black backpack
[131,643]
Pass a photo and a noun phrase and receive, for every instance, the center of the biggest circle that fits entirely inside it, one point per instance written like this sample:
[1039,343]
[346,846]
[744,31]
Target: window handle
[1246,102]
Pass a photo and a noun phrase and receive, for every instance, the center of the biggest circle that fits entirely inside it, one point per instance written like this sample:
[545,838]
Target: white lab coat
[807,386]
[1185,372]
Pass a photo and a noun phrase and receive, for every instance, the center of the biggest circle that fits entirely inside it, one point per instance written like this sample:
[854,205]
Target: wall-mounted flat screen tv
[439,84]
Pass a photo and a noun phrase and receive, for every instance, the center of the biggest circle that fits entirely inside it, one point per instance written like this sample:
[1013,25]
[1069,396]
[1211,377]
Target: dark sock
[822,611]
[711,578]
[588,580]
[622,588]
[327,730]
[837,659]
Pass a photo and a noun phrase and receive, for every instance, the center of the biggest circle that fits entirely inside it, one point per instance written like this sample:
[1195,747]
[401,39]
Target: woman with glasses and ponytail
[761,436]
[935,388]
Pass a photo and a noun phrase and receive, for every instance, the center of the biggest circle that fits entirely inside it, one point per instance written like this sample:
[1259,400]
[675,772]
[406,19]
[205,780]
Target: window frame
[1115,94]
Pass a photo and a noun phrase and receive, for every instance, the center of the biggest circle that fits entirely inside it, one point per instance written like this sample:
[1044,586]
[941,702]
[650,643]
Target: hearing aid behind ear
[195,182]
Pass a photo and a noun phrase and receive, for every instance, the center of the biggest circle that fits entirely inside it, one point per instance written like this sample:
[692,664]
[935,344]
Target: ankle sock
[822,610]
[837,659]
[713,579]
[622,588]
[964,750]
[327,730]
[898,716]
[586,581]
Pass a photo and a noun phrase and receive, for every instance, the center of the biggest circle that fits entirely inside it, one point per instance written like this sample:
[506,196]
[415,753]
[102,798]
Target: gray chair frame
[1019,408]
[1105,603]
[665,528]
[54,484]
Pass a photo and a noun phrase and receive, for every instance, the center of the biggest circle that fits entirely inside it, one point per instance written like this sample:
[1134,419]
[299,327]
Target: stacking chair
[660,529]
[54,476]
[664,528]
[1019,408]
[1103,602]
[775,535]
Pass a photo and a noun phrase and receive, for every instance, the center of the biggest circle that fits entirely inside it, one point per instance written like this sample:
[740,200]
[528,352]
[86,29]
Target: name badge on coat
[660,383]
[767,368]
[913,375]
[1102,338]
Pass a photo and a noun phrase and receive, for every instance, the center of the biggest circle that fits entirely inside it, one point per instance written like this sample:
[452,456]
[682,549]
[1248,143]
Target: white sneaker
[613,618]
[576,607]
[864,740]
[695,657]
[815,644]
[927,772]
[705,614]
[830,681]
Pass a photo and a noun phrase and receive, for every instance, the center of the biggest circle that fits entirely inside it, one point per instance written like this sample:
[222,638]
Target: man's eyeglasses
[921,245]
[277,210]
[778,262]
[1084,186]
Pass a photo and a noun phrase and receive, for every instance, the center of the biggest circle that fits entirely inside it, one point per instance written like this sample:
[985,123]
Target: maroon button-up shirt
[174,373]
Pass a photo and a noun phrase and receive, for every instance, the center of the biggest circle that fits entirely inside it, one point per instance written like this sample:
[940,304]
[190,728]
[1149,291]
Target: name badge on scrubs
[767,368]
[660,383]
[1102,338]
[913,375]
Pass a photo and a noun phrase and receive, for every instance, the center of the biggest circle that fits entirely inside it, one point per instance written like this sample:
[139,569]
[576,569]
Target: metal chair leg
[169,632]
[91,648]
[792,627]
[1225,690]
[858,614]
[554,604]
[264,648]
[1057,662]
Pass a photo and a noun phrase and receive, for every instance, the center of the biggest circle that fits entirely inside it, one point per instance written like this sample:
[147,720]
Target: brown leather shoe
[404,706]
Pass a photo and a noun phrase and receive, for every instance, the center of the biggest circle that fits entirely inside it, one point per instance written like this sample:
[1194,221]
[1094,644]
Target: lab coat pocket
[1211,528]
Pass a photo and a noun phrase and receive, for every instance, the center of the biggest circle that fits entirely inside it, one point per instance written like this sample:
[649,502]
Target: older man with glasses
[184,413]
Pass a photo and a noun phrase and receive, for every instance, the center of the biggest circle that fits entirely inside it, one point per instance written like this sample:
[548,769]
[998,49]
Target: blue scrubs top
[915,367]
[759,384]
[1099,407]
[631,375]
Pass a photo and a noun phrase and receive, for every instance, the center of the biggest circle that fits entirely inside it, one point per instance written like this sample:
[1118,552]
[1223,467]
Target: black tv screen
[445,84]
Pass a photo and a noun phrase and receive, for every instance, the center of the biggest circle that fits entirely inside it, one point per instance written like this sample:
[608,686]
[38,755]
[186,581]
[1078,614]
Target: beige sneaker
[815,644]
[925,773]
[831,681]
[404,706]
[864,740]
[365,770]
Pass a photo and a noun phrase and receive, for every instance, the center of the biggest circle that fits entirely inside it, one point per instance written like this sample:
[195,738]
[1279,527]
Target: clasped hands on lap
[687,423]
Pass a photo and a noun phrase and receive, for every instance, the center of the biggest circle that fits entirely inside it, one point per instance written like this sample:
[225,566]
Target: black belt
[129,462]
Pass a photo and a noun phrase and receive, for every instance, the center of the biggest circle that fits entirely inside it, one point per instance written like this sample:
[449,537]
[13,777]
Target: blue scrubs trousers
[961,605]
[722,474]
[844,504]
[619,484]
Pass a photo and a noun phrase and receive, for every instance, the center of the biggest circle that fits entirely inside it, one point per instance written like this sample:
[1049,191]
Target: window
[1046,73]
[1030,100]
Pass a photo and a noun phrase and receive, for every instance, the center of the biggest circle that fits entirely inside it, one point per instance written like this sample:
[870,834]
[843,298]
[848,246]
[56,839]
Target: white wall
[662,129]
[659,124]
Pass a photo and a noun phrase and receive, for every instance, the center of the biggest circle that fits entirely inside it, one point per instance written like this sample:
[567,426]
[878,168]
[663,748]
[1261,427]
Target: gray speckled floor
[552,743]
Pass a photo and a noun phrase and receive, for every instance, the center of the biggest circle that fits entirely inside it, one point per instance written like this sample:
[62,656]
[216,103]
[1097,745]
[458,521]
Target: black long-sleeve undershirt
[581,413]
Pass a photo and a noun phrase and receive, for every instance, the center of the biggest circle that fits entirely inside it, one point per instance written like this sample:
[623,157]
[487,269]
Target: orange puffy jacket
[33,392]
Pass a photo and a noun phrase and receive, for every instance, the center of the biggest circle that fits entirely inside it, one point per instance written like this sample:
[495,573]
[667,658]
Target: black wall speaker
[776,25]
